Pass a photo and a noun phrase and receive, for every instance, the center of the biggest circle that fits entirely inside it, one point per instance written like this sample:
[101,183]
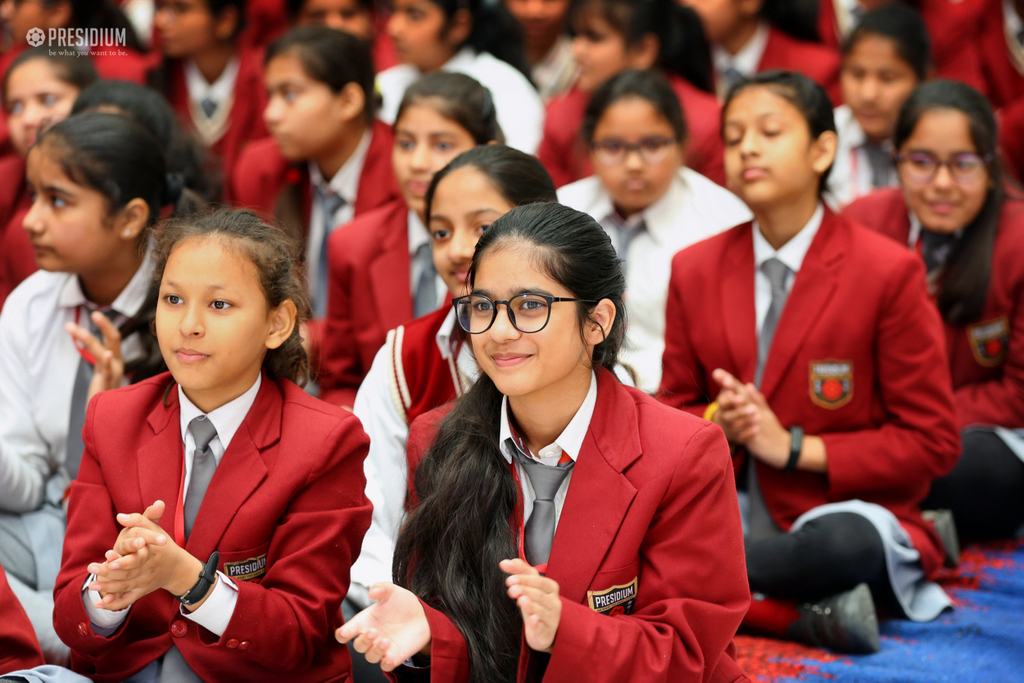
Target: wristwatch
[796,444]
[206,579]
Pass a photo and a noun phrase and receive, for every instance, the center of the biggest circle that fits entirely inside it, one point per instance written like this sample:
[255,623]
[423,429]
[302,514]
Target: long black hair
[646,85]
[449,549]
[682,46]
[519,178]
[117,157]
[963,284]
[494,30]
[902,25]
[70,69]
[798,18]
[459,98]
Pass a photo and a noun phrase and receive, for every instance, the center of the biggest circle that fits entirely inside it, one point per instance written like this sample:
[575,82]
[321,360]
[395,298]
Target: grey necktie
[79,402]
[731,77]
[880,161]
[330,202]
[539,533]
[936,247]
[208,106]
[204,464]
[426,299]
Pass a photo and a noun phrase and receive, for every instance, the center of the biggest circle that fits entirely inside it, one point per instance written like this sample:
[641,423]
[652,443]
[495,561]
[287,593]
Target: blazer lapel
[161,460]
[737,305]
[812,290]
[599,495]
[389,273]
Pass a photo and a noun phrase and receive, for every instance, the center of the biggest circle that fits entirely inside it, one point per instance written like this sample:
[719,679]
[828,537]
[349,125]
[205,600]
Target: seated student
[19,648]
[751,36]
[472,37]
[615,35]
[268,479]
[358,17]
[956,211]
[548,46]
[39,90]
[811,341]
[560,566]
[381,272]
[884,59]
[328,158]
[647,200]
[77,326]
[214,83]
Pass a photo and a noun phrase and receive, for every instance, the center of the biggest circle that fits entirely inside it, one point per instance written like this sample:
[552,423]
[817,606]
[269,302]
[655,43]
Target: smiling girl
[575,508]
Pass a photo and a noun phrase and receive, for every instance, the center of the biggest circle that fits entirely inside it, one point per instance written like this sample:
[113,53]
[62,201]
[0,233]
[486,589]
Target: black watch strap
[796,445]
[206,579]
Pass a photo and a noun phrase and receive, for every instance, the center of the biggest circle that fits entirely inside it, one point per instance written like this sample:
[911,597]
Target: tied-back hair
[683,47]
[117,157]
[70,69]
[902,25]
[272,253]
[964,282]
[809,98]
[459,98]
[494,30]
[448,551]
[520,178]
[633,84]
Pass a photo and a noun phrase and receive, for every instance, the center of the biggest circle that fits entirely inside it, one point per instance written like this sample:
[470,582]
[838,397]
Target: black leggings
[985,491]
[827,555]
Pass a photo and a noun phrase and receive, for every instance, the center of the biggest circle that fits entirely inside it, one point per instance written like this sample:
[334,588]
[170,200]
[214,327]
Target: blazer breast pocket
[614,591]
[245,565]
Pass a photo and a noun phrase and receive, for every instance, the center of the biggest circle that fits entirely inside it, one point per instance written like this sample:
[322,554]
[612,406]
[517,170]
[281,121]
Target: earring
[128,233]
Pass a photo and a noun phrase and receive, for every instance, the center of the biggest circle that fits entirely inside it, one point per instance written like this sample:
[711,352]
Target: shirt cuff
[104,621]
[215,613]
[359,594]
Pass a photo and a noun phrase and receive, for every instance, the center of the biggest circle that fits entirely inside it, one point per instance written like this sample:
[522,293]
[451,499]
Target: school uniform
[557,71]
[19,648]
[17,258]
[1010,121]
[378,265]
[693,208]
[265,21]
[632,519]
[285,509]
[857,360]
[769,48]
[226,115]
[861,166]
[566,157]
[518,106]
[1001,49]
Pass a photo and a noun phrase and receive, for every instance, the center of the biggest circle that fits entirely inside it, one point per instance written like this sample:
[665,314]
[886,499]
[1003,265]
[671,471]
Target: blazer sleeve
[341,371]
[918,439]
[449,656]
[555,157]
[684,381]
[19,648]
[692,558]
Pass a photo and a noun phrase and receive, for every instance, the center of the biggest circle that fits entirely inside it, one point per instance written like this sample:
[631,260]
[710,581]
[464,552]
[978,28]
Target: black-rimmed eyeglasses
[528,313]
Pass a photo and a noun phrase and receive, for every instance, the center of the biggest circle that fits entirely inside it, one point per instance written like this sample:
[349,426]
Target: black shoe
[845,622]
[945,527]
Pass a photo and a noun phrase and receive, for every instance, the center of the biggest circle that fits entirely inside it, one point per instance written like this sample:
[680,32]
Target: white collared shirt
[345,184]
[694,208]
[747,60]
[38,365]
[519,108]
[792,253]
[1011,19]
[556,73]
[386,467]
[570,441]
[850,177]
[846,16]
[215,613]
[200,89]
[418,236]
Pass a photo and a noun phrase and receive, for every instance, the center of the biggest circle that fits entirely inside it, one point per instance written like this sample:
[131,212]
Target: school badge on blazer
[614,600]
[831,383]
[990,340]
[249,569]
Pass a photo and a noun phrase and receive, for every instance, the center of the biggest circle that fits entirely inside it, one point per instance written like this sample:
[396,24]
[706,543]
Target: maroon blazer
[17,258]
[19,648]
[1004,79]
[818,62]
[289,490]
[429,378]
[987,356]
[369,293]
[564,154]
[651,506]
[857,359]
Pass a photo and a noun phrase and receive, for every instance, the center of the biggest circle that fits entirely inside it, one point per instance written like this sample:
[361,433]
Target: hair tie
[174,184]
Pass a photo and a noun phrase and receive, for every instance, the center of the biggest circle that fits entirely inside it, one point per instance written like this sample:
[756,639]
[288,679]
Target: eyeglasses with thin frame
[614,151]
[965,168]
[528,313]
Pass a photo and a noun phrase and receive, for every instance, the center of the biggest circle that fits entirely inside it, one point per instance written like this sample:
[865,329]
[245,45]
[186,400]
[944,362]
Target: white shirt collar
[345,182]
[418,234]
[791,253]
[569,441]
[226,419]
[199,89]
[461,61]
[748,58]
[445,334]
[127,303]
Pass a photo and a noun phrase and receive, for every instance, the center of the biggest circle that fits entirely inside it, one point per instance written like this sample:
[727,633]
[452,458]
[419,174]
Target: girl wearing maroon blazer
[811,341]
[967,225]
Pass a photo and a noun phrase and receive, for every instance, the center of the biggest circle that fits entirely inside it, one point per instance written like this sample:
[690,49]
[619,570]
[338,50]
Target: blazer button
[232,643]
[179,629]
[244,645]
[83,628]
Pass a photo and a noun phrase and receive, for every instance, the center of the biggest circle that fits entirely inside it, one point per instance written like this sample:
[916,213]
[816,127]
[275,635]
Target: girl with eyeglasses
[576,510]
[967,225]
[811,341]
[647,199]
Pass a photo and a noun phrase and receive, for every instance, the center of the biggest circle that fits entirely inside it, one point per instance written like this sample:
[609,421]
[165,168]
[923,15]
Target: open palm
[391,630]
